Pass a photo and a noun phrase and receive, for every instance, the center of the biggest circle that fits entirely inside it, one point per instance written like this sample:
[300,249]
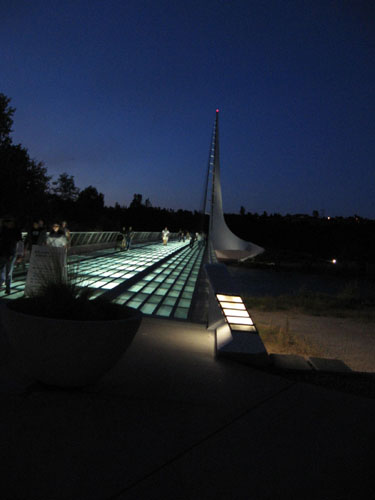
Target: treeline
[304,236]
[28,192]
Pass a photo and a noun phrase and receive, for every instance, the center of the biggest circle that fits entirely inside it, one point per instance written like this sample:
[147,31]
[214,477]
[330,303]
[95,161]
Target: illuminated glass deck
[165,291]
[168,290]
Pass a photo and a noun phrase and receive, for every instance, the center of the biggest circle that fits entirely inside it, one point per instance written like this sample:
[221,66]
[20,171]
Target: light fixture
[235,312]
[228,298]
[233,305]
[239,321]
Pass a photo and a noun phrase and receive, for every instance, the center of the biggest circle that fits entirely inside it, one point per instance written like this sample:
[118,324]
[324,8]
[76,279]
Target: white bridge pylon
[226,244]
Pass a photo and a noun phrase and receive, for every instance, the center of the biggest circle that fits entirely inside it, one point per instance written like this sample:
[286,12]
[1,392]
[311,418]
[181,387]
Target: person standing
[56,237]
[43,233]
[129,235]
[34,237]
[203,239]
[192,239]
[123,239]
[10,239]
[199,239]
[165,235]
[66,231]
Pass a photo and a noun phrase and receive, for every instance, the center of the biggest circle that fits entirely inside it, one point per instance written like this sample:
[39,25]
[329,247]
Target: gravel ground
[346,339]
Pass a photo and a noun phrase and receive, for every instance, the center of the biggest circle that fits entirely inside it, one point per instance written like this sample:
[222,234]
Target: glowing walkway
[107,272]
[168,290]
[159,280]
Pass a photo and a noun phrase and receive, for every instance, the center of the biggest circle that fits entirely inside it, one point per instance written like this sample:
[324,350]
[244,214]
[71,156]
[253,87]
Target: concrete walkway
[171,422]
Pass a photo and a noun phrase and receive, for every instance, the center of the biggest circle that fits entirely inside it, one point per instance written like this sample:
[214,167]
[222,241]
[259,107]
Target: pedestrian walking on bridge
[165,235]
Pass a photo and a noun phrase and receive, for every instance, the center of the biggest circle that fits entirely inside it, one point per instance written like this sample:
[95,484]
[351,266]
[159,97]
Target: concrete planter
[68,353]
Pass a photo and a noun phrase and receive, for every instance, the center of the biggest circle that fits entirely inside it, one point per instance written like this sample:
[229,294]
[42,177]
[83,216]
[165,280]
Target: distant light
[329,218]
[217,110]
[334,261]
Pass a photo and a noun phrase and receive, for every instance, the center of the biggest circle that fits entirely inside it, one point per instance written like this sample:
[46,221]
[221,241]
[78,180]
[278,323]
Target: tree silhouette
[137,201]
[90,207]
[6,119]
[24,183]
[65,187]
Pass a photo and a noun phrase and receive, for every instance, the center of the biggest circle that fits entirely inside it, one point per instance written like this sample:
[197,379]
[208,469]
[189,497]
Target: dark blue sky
[122,94]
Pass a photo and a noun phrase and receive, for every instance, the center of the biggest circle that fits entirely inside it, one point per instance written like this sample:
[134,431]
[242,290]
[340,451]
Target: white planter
[68,353]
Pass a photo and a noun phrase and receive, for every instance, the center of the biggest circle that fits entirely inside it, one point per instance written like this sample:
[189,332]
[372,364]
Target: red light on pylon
[217,110]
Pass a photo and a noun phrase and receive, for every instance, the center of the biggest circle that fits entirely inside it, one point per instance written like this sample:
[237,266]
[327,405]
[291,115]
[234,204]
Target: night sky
[122,95]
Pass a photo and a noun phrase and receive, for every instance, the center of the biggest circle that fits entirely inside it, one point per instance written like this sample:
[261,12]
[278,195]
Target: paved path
[171,422]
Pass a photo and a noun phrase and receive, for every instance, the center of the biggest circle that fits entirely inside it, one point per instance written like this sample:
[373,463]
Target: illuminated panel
[181,312]
[109,286]
[228,298]
[233,305]
[239,321]
[153,294]
[165,311]
[234,312]
[148,308]
[245,328]
[99,284]
[170,287]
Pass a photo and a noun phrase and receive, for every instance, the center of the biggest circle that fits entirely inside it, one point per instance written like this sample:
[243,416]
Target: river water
[260,282]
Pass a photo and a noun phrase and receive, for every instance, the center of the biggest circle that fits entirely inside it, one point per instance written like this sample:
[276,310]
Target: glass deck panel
[150,288]
[150,277]
[154,299]
[165,311]
[136,288]
[181,313]
[184,303]
[169,301]
[111,285]
[177,277]
[148,308]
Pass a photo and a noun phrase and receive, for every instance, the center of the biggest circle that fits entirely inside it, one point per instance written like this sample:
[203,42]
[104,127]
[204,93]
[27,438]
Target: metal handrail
[92,238]
[79,238]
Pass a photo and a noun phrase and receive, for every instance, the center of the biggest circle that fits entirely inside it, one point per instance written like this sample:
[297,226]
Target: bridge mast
[226,244]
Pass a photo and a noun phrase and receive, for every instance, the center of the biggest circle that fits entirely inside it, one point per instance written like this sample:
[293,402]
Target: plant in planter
[65,339]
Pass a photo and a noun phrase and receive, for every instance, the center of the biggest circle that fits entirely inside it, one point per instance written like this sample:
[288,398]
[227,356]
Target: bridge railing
[79,239]
[92,238]
[86,241]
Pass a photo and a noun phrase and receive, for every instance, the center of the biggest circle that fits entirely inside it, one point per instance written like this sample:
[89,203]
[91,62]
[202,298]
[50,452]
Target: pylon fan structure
[226,244]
